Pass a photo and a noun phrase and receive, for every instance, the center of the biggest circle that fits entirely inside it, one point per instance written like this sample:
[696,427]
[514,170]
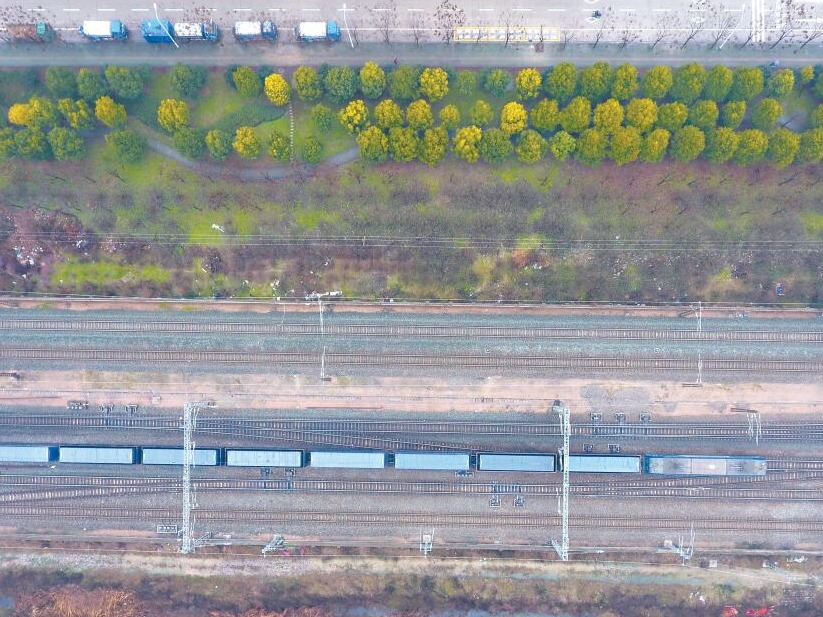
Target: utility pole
[562,547]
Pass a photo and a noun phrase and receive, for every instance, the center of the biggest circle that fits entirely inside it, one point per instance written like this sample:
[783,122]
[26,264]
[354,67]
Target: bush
[279,147]
[766,114]
[562,145]
[340,84]
[466,83]
[218,144]
[481,113]
[513,118]
[531,147]
[561,82]
[91,85]
[374,145]
[312,150]
[591,147]
[751,148]
[173,114]
[404,83]
[434,145]
[354,116]
[419,115]
[434,84]
[110,113]
[625,82]
[747,84]
[128,145]
[704,114]
[783,147]
[467,143]
[61,82]
[625,145]
[733,114]
[372,81]
[657,82]
[528,84]
[687,144]
[654,145]
[246,143]
[188,80]
[672,116]
[641,113]
[718,83]
[721,144]
[575,117]
[496,82]
[545,116]
[307,83]
[596,81]
[608,116]
[189,142]
[780,83]
[66,144]
[495,146]
[688,83]
[126,83]
[450,117]
[403,144]
[388,114]
[322,117]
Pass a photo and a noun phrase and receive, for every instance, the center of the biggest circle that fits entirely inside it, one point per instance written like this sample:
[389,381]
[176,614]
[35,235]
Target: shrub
[747,84]
[495,146]
[434,84]
[531,147]
[247,82]
[307,83]
[404,83]
[751,148]
[279,147]
[340,84]
[218,144]
[419,115]
[61,82]
[625,83]
[173,114]
[496,82]
[372,81]
[466,83]
[374,145]
[481,113]
[387,114]
[528,84]
[128,145]
[189,142]
[110,113]
[561,82]
[575,117]
[322,117]
[450,117]
[766,114]
[687,144]
[91,85]
[657,82]
[312,150]
[354,116]
[596,82]
[467,143]
[246,143]
[66,144]
[513,118]
[126,83]
[545,116]
[187,80]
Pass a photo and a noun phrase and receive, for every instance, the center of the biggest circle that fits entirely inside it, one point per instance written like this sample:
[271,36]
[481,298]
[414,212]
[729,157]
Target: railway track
[343,359]
[442,520]
[357,433]
[404,331]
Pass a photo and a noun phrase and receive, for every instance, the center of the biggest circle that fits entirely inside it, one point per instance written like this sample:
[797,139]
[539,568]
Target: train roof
[516,462]
[348,460]
[24,454]
[449,461]
[94,455]
[174,456]
[698,465]
[593,463]
[264,458]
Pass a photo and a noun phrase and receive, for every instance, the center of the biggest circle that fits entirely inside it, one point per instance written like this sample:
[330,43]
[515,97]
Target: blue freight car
[264,458]
[698,465]
[98,455]
[497,461]
[593,463]
[203,457]
[27,454]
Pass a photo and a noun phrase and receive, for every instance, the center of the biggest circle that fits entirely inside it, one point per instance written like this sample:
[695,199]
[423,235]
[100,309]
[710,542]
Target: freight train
[459,462]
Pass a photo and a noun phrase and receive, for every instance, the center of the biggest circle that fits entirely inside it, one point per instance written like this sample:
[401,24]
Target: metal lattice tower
[562,547]
[189,420]
[699,343]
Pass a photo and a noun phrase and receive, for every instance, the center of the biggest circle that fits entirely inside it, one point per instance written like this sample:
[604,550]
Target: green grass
[309,219]
[77,275]
[335,140]
[812,223]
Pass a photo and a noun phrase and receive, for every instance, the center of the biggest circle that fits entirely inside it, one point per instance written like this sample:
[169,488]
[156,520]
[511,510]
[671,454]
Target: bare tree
[696,26]
[510,22]
[725,24]
[598,36]
[628,34]
[448,16]
[416,26]
[811,33]
[385,20]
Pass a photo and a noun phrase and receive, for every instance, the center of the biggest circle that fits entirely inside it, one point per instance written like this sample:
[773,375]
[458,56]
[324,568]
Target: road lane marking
[241,10]
[416,10]
[107,10]
[628,10]
[140,10]
[556,10]
[315,10]
[71,10]
[173,10]
[485,10]
[661,10]
[37,10]
[522,10]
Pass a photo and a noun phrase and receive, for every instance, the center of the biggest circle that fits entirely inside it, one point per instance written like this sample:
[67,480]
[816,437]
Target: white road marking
[485,10]
[778,8]
[71,10]
[173,10]
[107,10]
[241,10]
[37,10]
[661,10]
[416,10]
[314,10]
[140,10]
[556,10]
[522,10]
[380,10]
[275,10]
[628,10]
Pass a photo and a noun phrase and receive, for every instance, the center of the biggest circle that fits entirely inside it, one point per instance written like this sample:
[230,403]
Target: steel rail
[410,518]
[403,331]
[250,357]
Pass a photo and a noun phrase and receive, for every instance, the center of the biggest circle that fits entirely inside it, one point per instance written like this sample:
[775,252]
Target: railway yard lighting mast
[189,420]
[562,547]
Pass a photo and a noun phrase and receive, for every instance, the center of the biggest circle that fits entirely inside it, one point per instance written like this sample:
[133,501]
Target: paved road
[711,21]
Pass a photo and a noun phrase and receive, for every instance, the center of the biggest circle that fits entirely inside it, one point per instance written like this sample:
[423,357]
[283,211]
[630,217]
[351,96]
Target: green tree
[687,144]
[91,85]
[32,143]
[654,145]
[450,117]
[575,117]
[591,147]
[495,146]
[704,114]
[419,115]
[733,113]
[596,82]
[387,114]
[466,83]
[531,147]
[434,145]
[718,83]
[434,84]
[608,116]
[129,146]
[747,84]
[218,144]
[8,147]
[751,148]
[110,113]
[247,82]
[354,116]
[688,83]
[372,80]
[818,85]
[173,114]
[721,145]
[625,82]
[780,83]
[561,82]
[374,145]
[625,145]
[513,118]
[528,83]
[277,89]
[307,83]
[188,80]
[562,145]
[312,150]
[817,116]
[545,116]
[657,82]
[404,82]
[467,143]
[340,84]
[496,82]
[671,116]
[61,82]
[783,147]
[66,144]
[766,114]
[806,75]
[76,113]
[811,147]
[246,143]
[481,113]
[641,114]
[42,113]
[403,144]
[189,142]
[279,147]
[126,83]
[322,117]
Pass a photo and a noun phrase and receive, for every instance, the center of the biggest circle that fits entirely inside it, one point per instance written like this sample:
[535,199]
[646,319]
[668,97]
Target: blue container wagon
[593,463]
[264,458]
[516,462]
[347,459]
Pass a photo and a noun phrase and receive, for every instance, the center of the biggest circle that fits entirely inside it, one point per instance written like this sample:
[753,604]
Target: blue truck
[245,31]
[308,31]
[157,30]
[207,31]
[113,30]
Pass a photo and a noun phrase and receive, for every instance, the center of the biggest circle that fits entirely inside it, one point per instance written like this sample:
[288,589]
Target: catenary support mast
[562,547]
